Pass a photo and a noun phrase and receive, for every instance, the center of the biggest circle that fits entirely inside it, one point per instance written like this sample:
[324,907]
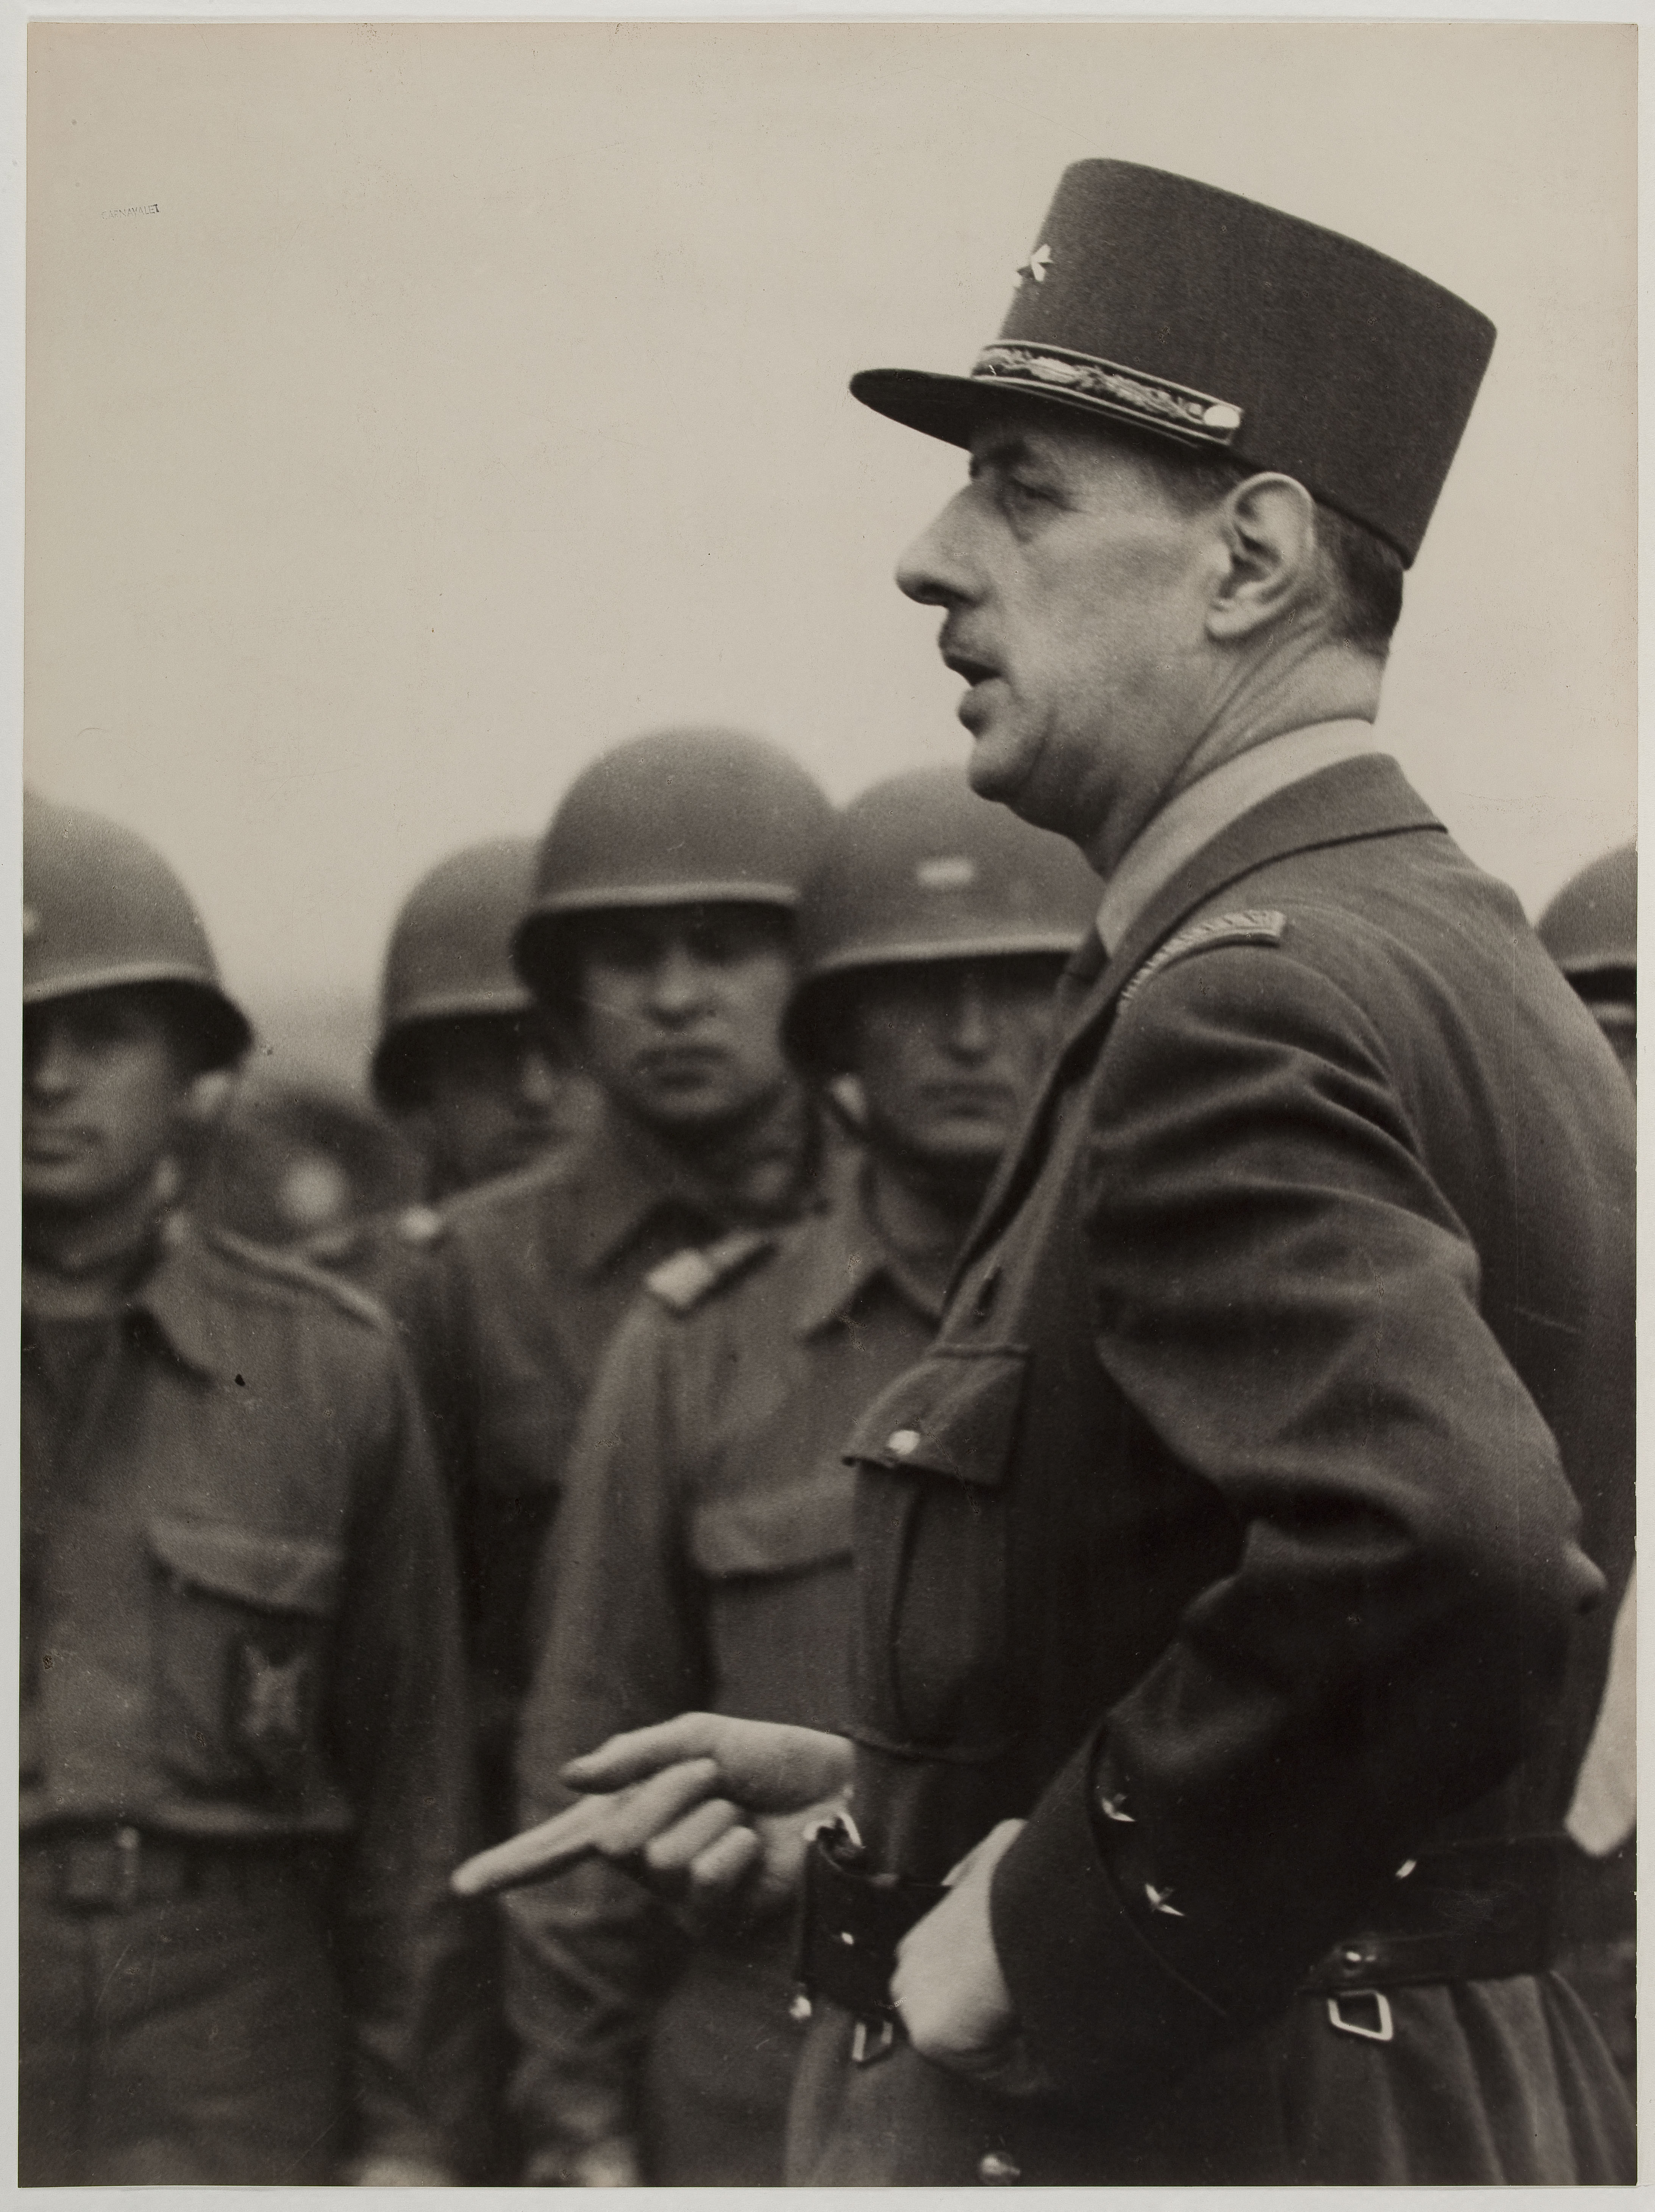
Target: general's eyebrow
[1007,448]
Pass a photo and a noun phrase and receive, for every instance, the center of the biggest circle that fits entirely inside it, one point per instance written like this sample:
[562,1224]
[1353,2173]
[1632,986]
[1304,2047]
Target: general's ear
[1273,567]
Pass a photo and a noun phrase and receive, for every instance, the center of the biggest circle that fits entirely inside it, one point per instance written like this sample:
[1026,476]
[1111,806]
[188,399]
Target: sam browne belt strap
[1466,1912]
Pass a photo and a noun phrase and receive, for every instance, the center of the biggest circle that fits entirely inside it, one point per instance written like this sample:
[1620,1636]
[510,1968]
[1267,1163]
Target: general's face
[494,1099]
[104,1079]
[680,1011]
[948,1052]
[1075,595]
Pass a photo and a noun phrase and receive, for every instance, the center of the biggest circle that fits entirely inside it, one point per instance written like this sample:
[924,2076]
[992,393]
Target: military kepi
[1229,328]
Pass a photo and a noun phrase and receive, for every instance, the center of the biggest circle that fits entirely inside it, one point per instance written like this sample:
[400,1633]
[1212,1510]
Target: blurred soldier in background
[657,940]
[464,1067]
[244,1763]
[658,943]
[1590,930]
[703,1549]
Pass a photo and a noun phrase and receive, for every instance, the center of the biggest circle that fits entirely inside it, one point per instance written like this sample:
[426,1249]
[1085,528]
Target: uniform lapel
[1368,797]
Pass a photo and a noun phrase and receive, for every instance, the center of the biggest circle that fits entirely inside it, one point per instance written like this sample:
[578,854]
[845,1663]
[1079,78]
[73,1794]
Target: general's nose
[933,569]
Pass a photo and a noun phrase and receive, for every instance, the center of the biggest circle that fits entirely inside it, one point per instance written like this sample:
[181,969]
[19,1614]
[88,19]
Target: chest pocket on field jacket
[933,1456]
[777,1562]
[240,1645]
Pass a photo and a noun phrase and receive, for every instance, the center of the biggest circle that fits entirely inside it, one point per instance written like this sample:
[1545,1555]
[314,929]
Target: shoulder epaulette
[1251,926]
[682,1282]
[294,1272]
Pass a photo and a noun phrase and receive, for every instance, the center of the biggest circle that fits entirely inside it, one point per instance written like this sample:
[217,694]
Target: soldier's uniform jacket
[507,1308]
[1256,1526]
[704,1563]
[240,1625]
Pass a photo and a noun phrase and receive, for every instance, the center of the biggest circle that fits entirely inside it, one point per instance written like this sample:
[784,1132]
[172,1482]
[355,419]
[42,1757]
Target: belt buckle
[865,2051]
[1384,2033]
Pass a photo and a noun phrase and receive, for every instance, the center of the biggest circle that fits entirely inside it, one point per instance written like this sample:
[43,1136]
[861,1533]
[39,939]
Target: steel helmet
[919,869]
[102,908]
[675,818]
[1591,928]
[450,950]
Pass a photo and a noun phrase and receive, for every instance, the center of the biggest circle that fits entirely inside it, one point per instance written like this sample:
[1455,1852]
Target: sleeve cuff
[1098,2004]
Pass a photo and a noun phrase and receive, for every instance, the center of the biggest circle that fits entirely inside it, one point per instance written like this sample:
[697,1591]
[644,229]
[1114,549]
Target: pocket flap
[278,1574]
[774,1532]
[955,1414]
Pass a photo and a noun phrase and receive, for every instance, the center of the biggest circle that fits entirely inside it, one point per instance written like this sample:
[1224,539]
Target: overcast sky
[414,412]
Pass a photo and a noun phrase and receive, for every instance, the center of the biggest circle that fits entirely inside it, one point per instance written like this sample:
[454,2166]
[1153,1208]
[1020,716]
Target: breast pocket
[242,1621]
[934,1457]
[776,1563]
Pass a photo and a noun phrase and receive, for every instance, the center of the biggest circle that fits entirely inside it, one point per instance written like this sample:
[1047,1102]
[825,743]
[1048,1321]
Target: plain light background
[474,396]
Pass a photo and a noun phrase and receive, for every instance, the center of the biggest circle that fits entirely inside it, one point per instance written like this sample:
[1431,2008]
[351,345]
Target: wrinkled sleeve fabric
[410,1953]
[590,1954]
[1286,1299]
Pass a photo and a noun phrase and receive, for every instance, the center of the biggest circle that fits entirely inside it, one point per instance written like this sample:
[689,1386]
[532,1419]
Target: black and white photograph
[828,917]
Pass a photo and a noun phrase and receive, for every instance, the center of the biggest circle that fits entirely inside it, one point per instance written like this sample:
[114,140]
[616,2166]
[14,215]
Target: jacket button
[902,1442]
[995,2166]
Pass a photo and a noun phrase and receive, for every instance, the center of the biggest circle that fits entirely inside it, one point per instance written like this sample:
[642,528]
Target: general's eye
[1024,496]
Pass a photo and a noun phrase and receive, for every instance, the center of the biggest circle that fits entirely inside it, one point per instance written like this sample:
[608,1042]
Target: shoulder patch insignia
[682,1282]
[1252,926]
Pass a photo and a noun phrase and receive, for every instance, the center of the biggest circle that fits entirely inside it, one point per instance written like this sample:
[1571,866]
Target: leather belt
[116,1869]
[851,1923]
[1462,1914]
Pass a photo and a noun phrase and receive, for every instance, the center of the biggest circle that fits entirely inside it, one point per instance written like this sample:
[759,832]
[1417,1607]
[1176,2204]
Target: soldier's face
[104,1079]
[948,1052]
[680,1011]
[492,1099]
[1075,595]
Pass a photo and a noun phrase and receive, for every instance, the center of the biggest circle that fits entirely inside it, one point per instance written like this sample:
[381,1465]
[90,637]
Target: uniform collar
[1352,799]
[626,1177]
[848,1254]
[177,1302]
[1196,815]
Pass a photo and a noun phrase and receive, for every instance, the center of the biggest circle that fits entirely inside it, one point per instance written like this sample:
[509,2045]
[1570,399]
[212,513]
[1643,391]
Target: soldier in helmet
[658,941]
[703,1551]
[464,1065]
[244,1759]
[1590,930]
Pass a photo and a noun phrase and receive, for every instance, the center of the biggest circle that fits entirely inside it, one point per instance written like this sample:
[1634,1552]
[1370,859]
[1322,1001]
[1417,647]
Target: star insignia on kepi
[1036,265]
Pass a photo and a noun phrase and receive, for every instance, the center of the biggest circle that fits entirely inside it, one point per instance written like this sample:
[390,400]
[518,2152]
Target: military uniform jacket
[1258,1520]
[239,1624]
[704,1563]
[507,1306]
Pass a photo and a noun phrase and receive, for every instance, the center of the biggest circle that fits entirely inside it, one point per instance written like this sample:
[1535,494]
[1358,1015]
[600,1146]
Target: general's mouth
[973,671]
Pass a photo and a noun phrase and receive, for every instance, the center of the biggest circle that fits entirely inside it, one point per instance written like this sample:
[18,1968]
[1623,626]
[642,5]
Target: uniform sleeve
[1284,1296]
[590,1955]
[411,1954]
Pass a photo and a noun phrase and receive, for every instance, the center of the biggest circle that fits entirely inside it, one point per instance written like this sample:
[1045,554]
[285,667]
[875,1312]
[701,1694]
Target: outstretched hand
[706,1810]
